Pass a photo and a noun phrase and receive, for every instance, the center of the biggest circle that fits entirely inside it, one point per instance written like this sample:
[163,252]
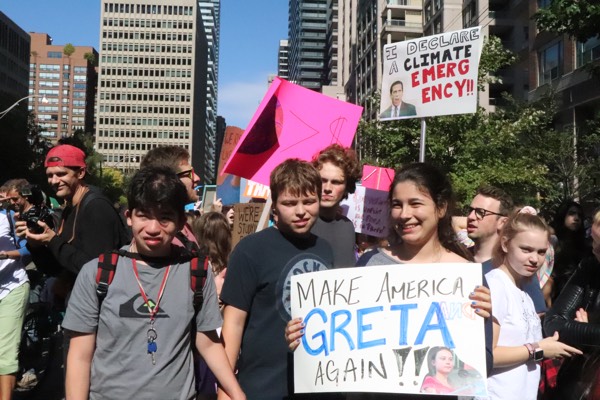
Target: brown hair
[15,184]
[518,222]
[297,177]
[506,202]
[214,237]
[432,181]
[343,158]
[165,156]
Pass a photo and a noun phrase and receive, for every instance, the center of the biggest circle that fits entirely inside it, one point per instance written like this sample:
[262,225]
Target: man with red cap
[89,223]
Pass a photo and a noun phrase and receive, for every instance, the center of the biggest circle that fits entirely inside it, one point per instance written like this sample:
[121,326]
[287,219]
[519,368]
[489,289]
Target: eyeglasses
[481,213]
[187,174]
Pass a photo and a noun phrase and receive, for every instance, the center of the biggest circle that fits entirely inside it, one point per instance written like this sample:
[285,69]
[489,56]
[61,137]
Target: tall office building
[14,62]
[307,43]
[152,88]
[210,11]
[68,84]
[282,60]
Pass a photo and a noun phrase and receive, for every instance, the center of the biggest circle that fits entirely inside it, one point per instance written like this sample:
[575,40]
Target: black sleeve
[97,230]
[561,316]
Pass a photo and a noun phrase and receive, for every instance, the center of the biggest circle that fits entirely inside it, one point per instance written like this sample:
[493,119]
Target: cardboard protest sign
[291,122]
[228,186]
[368,210]
[377,178]
[433,75]
[245,220]
[377,329]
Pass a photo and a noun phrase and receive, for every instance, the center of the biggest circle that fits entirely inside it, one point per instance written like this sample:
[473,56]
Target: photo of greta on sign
[449,375]
[432,75]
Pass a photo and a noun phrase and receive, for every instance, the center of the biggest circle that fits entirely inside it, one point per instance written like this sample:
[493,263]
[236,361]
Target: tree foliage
[68,50]
[580,19]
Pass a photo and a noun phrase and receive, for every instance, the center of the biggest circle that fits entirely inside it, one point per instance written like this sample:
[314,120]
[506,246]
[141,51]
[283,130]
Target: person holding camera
[20,196]
[89,224]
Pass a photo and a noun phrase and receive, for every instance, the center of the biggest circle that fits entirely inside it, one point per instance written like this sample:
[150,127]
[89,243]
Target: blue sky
[250,34]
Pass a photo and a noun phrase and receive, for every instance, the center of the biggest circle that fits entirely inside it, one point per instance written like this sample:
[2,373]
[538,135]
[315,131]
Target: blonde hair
[596,216]
[518,222]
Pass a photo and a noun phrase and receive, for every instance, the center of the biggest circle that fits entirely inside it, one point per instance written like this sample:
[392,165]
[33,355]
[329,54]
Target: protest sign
[377,329]
[377,178]
[228,186]
[209,195]
[368,210]
[245,220]
[256,190]
[291,122]
[433,75]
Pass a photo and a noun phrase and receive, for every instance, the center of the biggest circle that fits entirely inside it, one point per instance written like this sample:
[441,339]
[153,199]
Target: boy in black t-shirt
[256,292]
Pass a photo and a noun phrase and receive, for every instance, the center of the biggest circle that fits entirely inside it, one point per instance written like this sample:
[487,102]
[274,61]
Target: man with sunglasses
[486,216]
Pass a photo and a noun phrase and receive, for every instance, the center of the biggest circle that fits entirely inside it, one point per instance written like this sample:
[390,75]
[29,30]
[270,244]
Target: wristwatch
[536,353]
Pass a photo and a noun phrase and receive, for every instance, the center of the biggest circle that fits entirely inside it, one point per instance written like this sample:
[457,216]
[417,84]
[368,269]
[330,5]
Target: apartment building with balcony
[379,22]
[307,31]
[153,82]
[67,82]
[509,20]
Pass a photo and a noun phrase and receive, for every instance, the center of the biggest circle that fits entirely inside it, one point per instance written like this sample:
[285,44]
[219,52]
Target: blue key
[152,347]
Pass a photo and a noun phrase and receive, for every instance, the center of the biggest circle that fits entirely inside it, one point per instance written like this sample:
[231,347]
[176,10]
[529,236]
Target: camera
[39,210]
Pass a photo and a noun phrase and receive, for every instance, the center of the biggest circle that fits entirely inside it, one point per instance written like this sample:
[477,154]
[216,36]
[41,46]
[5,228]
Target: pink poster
[291,122]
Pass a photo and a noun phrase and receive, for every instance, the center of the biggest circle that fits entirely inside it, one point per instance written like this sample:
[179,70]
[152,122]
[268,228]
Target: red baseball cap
[65,155]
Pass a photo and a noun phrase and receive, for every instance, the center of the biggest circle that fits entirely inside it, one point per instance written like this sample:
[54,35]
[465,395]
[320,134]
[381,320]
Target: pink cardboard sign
[377,178]
[291,122]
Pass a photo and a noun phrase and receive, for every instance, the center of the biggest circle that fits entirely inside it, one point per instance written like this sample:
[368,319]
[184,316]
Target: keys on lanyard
[152,335]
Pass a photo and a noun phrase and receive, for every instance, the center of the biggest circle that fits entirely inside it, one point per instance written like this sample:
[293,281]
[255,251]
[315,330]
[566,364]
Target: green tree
[89,56]
[68,50]
[580,19]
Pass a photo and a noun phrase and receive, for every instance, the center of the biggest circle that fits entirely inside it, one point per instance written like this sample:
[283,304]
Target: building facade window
[588,51]
[550,61]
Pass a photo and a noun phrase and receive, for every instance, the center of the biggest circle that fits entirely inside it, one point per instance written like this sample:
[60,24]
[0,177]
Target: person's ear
[128,216]
[504,244]
[81,173]
[501,222]
[441,211]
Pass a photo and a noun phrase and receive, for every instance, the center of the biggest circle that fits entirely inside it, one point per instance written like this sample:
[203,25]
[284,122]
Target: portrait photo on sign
[430,76]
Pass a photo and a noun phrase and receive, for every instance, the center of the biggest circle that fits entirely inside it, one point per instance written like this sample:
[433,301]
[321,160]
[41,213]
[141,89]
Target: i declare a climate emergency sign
[438,73]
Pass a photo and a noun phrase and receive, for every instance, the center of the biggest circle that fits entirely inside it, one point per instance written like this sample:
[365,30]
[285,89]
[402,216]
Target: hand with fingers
[294,330]
[481,301]
[555,349]
[581,316]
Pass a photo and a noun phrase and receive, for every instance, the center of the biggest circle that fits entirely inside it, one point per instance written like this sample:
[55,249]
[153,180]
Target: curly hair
[343,158]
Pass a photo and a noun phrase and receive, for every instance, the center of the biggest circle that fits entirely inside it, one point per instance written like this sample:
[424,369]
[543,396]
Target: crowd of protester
[127,315]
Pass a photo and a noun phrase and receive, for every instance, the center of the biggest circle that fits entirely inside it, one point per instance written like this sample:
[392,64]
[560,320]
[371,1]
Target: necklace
[152,309]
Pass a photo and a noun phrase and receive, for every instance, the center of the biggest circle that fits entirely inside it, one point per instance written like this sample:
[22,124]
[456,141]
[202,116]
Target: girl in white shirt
[518,344]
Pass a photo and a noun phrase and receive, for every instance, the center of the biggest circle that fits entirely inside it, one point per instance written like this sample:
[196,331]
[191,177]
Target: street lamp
[3,113]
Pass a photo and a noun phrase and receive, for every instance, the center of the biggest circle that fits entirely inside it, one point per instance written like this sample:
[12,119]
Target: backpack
[107,265]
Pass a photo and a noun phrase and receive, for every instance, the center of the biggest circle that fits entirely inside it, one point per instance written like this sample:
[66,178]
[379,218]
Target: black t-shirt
[339,233]
[258,282]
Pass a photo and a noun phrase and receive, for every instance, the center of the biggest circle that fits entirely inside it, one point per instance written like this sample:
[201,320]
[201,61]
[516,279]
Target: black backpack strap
[189,245]
[107,266]
[198,280]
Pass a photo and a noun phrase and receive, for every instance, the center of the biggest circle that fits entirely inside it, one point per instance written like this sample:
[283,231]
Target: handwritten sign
[368,210]
[245,220]
[382,328]
[291,122]
[228,186]
[433,75]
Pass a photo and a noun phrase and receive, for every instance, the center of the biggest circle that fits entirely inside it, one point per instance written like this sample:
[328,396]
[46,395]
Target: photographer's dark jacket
[86,230]
[582,291]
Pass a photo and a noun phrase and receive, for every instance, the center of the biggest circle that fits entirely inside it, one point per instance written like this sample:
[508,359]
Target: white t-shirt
[519,324]
[12,272]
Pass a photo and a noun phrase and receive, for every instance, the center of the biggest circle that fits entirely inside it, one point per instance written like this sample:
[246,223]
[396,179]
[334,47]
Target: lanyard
[152,310]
